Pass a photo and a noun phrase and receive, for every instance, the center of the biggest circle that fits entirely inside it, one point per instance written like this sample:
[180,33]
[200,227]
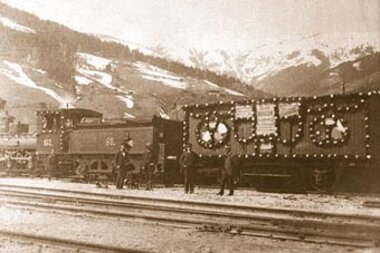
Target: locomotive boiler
[321,143]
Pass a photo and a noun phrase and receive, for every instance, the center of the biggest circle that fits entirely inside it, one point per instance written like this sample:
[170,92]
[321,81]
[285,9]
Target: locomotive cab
[54,126]
[53,132]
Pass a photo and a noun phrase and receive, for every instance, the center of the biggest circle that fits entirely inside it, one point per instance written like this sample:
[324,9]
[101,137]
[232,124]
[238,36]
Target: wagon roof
[186,107]
[73,112]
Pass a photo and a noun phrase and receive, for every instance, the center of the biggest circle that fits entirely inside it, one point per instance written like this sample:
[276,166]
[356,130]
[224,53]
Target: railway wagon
[319,143]
[86,145]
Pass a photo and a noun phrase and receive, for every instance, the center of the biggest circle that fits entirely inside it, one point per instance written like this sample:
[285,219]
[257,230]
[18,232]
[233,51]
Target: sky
[209,24]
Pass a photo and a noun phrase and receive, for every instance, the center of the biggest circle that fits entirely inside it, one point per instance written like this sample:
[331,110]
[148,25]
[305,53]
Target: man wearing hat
[187,161]
[228,171]
[148,165]
[122,161]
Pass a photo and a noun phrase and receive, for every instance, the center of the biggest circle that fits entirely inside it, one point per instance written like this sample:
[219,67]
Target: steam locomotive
[86,145]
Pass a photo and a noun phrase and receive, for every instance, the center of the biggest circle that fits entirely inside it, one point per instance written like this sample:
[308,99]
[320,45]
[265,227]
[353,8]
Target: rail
[78,246]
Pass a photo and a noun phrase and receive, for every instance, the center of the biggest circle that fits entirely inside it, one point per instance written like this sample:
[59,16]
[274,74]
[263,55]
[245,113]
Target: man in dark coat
[122,162]
[187,161]
[228,172]
[148,165]
[52,164]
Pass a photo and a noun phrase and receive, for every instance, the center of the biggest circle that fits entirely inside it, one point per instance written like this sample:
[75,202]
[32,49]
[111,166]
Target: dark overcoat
[122,160]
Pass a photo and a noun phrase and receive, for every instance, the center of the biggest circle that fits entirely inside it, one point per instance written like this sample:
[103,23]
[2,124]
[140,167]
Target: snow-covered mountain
[253,66]
[262,65]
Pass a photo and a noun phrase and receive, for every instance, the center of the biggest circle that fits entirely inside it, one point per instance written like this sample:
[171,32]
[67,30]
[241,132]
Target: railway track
[119,199]
[76,246]
[329,228]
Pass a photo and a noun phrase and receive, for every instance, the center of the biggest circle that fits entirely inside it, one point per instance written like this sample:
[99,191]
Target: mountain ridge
[297,57]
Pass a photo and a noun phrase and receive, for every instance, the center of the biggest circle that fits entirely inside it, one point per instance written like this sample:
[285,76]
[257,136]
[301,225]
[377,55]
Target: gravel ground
[12,246]
[141,236]
[308,202]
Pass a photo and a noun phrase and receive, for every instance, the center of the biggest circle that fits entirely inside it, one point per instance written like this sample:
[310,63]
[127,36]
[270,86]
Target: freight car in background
[86,145]
[321,143]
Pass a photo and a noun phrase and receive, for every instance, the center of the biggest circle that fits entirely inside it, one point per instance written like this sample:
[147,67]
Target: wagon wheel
[322,179]
[293,183]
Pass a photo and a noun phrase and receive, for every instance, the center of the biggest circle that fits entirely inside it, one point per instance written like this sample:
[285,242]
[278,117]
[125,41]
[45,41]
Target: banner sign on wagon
[243,112]
[288,109]
[266,147]
[266,122]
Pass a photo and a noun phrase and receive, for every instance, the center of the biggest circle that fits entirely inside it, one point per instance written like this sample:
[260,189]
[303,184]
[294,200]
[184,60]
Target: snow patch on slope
[13,25]
[163,114]
[106,80]
[97,62]
[82,80]
[93,71]
[131,45]
[127,100]
[229,91]
[153,73]
[16,73]
[128,116]
[101,77]
[357,66]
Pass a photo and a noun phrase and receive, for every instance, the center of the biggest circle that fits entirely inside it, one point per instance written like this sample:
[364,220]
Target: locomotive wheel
[94,164]
[322,179]
[82,168]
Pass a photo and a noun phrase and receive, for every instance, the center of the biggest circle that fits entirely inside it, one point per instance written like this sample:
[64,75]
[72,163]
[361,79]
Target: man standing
[228,172]
[52,164]
[121,161]
[148,165]
[187,161]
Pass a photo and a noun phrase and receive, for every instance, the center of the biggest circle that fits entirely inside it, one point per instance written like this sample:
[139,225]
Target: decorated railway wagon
[86,145]
[321,143]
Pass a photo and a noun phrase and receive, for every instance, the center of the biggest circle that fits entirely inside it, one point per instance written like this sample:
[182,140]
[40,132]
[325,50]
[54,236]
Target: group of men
[124,166]
[187,163]
[229,170]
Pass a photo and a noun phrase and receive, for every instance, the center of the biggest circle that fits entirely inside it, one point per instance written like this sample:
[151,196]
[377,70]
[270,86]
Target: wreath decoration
[328,130]
[212,133]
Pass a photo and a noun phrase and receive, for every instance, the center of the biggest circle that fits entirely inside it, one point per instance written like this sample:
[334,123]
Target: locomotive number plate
[110,142]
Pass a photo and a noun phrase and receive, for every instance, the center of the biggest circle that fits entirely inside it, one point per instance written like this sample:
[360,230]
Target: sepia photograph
[189,126]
